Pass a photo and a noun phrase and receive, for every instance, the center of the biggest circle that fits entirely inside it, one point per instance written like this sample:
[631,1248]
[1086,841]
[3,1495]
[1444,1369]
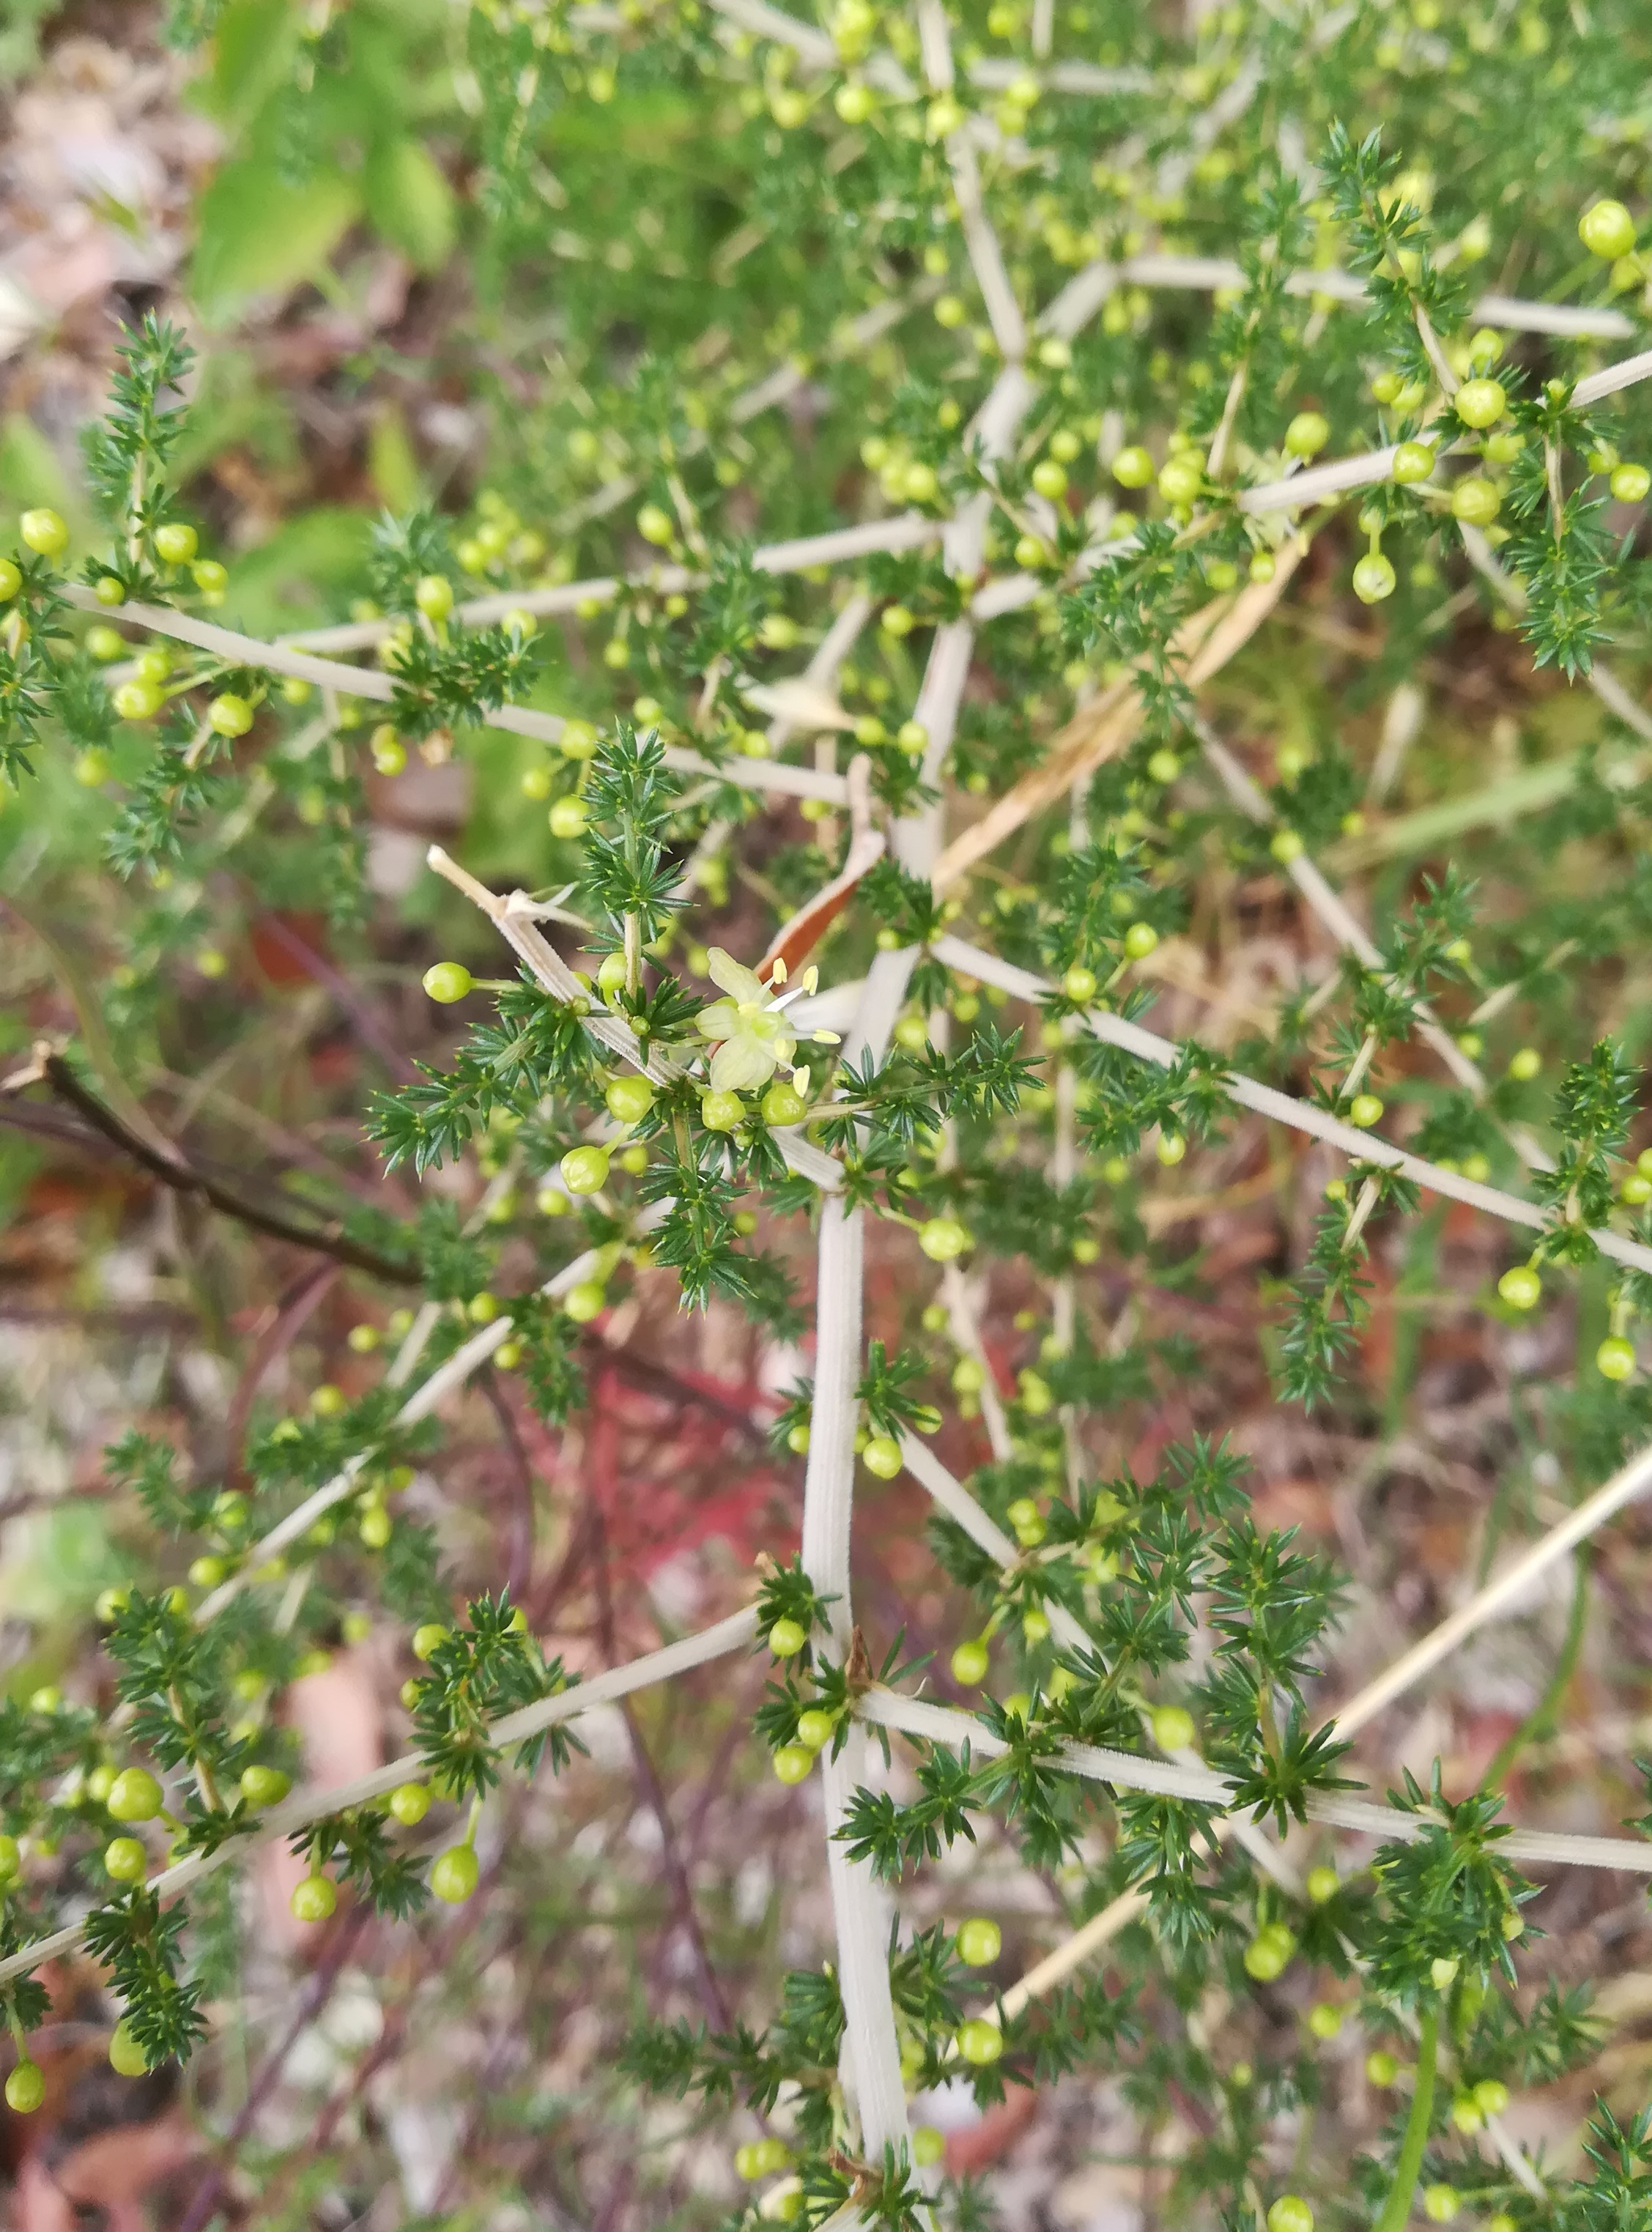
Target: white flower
[749,1028]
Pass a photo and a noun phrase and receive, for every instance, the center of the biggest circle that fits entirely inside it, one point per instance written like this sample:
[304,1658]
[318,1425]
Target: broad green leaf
[261,235]
[410,202]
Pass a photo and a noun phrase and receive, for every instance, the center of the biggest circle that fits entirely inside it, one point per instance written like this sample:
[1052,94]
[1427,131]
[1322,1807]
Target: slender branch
[1397,2207]
[307,1806]
[1498,1595]
[183,1177]
[1186,1778]
[1265,1101]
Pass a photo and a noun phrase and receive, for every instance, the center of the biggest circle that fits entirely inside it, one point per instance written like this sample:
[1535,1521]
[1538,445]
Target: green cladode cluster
[1277,236]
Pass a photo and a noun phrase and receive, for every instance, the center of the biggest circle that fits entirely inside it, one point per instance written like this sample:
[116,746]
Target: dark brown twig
[182,1177]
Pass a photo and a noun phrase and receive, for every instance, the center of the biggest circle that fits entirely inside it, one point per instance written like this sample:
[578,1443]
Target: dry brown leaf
[1205,641]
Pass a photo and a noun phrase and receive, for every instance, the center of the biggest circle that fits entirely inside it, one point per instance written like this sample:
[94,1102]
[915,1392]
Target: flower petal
[735,978]
[720,1020]
[741,1063]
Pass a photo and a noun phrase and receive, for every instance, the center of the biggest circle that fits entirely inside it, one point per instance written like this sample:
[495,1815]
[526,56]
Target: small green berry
[816,1727]
[176,542]
[314,1898]
[1364,1110]
[882,1455]
[1307,434]
[1373,579]
[446,982]
[585,1170]
[1480,403]
[1607,229]
[264,1785]
[1173,1728]
[629,1099]
[980,1941]
[45,531]
[979,2041]
[1381,2069]
[25,2087]
[135,1796]
[970,1663]
[787,1638]
[793,1763]
[127,2057]
[125,1858]
[1133,467]
[1615,1358]
[409,1802]
[1520,1286]
[454,1878]
[1412,461]
[929,2146]
[942,1239]
[1291,2214]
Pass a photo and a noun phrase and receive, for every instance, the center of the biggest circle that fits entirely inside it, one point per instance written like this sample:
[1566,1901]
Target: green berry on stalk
[1079,983]
[929,2146]
[1615,1358]
[783,1104]
[1268,1955]
[104,644]
[1133,467]
[787,1638]
[1290,2214]
[970,1663]
[1325,2018]
[11,580]
[1307,434]
[1286,846]
[434,596]
[1140,940]
[585,1301]
[264,1785]
[135,1796]
[127,2057]
[1480,403]
[448,982]
[25,2087]
[1475,501]
[980,1941]
[629,1099]
[721,1111]
[1382,2068]
[1412,461]
[793,1763]
[942,1239]
[979,2041]
[1373,579]
[137,700]
[314,1898]
[1607,229]
[125,1858]
[1322,1885]
[882,1455]
[1181,477]
[176,542]
[816,1727]
[1441,2203]
[584,1170]
[1173,1728]
[1520,1286]
[45,531]
[568,817]
[1364,1110]
[454,1877]
[209,577]
[409,1802]
[1629,483]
